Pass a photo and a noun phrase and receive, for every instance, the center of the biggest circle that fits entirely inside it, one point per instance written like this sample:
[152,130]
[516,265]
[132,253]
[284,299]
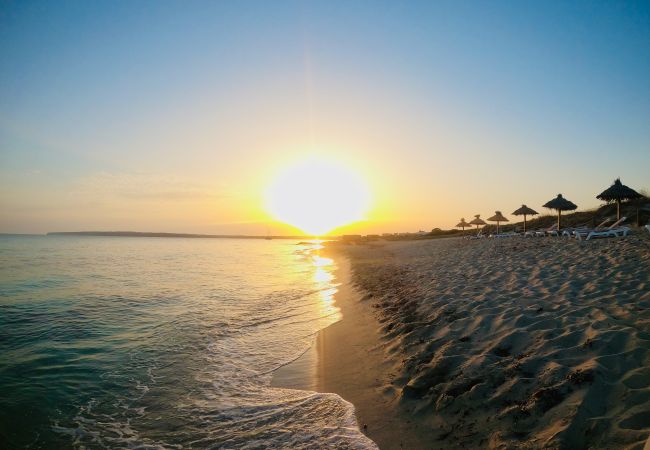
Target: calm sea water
[163,343]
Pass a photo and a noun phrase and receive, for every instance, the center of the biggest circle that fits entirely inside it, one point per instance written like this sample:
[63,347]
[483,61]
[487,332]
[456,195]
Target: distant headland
[166,235]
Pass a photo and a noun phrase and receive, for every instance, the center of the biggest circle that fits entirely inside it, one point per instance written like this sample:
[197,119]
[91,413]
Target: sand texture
[518,343]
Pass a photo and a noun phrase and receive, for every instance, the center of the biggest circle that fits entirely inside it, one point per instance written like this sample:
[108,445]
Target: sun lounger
[584,229]
[478,235]
[602,232]
[616,232]
[647,227]
[505,235]
[540,232]
[551,231]
[568,231]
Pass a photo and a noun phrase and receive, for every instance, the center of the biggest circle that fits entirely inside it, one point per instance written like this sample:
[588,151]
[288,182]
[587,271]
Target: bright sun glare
[317,196]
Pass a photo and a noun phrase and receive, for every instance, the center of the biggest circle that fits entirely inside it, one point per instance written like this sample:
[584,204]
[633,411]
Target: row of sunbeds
[583,232]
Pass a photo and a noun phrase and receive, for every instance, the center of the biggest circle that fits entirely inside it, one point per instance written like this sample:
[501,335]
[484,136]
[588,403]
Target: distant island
[166,235]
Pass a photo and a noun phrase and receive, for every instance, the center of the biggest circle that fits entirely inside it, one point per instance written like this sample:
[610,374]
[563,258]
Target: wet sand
[517,343]
[348,359]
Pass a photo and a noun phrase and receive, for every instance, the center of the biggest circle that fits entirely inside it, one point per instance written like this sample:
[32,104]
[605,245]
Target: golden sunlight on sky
[314,117]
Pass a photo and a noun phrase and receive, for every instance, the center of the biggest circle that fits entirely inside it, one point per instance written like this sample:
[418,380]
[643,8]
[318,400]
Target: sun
[317,195]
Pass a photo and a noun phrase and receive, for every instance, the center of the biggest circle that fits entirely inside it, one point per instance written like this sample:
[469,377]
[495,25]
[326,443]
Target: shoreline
[348,358]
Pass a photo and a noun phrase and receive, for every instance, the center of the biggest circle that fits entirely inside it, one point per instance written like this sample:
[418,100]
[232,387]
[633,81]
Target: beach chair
[540,232]
[616,232]
[505,235]
[584,229]
[552,231]
[602,232]
[546,231]
[569,230]
[478,235]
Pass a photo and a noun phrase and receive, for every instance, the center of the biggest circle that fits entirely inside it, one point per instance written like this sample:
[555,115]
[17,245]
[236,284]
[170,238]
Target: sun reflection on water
[324,277]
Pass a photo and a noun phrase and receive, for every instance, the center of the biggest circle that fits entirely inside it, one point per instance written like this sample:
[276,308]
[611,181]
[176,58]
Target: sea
[163,343]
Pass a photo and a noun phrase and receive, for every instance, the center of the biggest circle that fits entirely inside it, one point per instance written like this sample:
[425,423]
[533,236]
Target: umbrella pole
[524,223]
[618,209]
[559,214]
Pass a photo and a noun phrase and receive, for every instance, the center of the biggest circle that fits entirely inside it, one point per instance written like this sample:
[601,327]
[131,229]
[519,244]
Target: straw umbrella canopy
[477,221]
[616,193]
[498,218]
[462,224]
[560,204]
[525,211]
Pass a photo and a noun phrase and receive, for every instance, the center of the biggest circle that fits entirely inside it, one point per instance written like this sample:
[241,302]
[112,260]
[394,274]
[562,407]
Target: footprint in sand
[638,421]
[639,379]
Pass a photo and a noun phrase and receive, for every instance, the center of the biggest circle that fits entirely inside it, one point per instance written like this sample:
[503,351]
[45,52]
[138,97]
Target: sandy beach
[520,343]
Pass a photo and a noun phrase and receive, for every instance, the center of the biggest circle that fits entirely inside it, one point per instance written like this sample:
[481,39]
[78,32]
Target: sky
[176,116]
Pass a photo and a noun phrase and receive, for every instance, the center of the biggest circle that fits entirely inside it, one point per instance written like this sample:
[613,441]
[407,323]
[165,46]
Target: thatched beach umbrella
[477,221]
[616,193]
[560,204]
[525,211]
[462,224]
[498,218]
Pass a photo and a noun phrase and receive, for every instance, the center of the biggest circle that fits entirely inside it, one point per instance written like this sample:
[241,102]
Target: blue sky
[105,106]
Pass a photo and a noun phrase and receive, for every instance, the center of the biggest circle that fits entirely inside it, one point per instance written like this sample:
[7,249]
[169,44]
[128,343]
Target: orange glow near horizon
[317,196]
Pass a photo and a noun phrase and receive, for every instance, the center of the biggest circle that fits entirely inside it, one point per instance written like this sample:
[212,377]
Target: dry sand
[517,343]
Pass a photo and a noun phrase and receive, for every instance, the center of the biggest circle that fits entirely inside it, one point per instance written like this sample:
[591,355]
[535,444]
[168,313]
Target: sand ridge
[520,343]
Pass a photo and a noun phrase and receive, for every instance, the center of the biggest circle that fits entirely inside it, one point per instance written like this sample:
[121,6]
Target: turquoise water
[163,343]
